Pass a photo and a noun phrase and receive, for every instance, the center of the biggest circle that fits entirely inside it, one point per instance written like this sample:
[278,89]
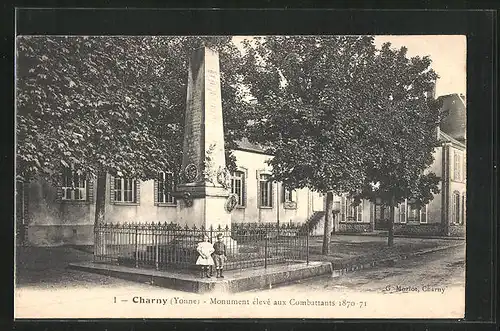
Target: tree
[110,105]
[402,134]
[310,108]
[323,101]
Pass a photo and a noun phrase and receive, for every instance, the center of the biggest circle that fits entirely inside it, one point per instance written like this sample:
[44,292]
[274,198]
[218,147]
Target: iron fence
[166,246]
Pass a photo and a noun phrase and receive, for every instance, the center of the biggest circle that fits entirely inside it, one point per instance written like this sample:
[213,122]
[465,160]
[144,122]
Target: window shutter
[402,212]
[244,189]
[343,209]
[423,214]
[454,208]
[372,212]
[111,189]
[464,168]
[271,193]
[295,197]
[59,192]
[90,189]
[348,204]
[155,192]
[463,208]
[137,191]
[283,193]
[452,167]
[360,211]
[259,195]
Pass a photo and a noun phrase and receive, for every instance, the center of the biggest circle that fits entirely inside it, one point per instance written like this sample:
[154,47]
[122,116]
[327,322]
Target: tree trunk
[100,205]
[100,201]
[390,237]
[327,236]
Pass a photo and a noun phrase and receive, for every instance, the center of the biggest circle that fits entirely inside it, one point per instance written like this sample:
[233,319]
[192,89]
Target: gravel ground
[46,267]
[444,268]
[359,249]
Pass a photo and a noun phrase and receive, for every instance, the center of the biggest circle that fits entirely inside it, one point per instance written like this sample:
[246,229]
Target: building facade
[65,214]
[48,215]
[445,214]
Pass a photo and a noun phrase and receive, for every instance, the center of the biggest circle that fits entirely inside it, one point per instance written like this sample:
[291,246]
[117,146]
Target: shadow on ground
[47,267]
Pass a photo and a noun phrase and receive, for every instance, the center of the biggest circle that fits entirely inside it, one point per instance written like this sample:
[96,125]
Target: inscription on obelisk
[204,188]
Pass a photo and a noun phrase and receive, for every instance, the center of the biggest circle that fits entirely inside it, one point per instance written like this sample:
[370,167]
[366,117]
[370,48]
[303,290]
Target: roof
[245,145]
[453,123]
[443,137]
[459,96]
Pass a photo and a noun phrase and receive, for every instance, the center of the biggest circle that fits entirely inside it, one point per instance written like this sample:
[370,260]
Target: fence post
[156,251]
[136,247]
[96,244]
[307,245]
[265,250]
[278,239]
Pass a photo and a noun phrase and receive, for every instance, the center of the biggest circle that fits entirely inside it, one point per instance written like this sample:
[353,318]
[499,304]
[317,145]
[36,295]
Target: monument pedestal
[206,208]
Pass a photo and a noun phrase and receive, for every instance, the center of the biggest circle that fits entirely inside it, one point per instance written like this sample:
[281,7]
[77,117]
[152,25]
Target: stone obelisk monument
[203,191]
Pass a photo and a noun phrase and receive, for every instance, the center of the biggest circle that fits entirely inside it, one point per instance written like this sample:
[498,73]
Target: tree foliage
[111,104]
[402,134]
[310,103]
[339,114]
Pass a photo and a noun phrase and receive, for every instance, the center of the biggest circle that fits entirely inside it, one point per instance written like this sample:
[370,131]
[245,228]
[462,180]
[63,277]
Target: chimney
[433,91]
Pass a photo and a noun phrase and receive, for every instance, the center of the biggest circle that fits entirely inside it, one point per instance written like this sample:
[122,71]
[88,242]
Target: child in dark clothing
[219,255]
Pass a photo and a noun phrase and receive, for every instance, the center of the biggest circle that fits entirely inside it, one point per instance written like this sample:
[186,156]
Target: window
[289,198]
[413,212]
[416,213]
[409,211]
[74,185]
[165,188]
[287,195]
[353,213]
[238,186]
[266,191]
[125,190]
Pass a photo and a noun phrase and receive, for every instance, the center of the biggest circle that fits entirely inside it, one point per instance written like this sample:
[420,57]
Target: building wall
[55,222]
[434,208]
[52,222]
[145,211]
[253,164]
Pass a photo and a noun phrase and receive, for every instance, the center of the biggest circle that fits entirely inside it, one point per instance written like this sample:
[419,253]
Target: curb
[368,265]
[364,234]
[264,279]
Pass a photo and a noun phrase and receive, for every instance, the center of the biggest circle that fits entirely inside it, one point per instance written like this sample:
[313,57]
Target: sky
[447,52]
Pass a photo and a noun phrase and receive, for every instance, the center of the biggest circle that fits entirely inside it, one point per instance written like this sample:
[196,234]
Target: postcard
[277,176]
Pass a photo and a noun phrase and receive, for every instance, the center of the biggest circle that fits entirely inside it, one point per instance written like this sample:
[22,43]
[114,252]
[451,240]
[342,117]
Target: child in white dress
[205,260]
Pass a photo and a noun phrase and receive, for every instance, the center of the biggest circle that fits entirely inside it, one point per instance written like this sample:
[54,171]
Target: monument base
[233,282]
[208,212]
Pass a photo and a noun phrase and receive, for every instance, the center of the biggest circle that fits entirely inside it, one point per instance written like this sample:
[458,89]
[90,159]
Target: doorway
[382,214]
